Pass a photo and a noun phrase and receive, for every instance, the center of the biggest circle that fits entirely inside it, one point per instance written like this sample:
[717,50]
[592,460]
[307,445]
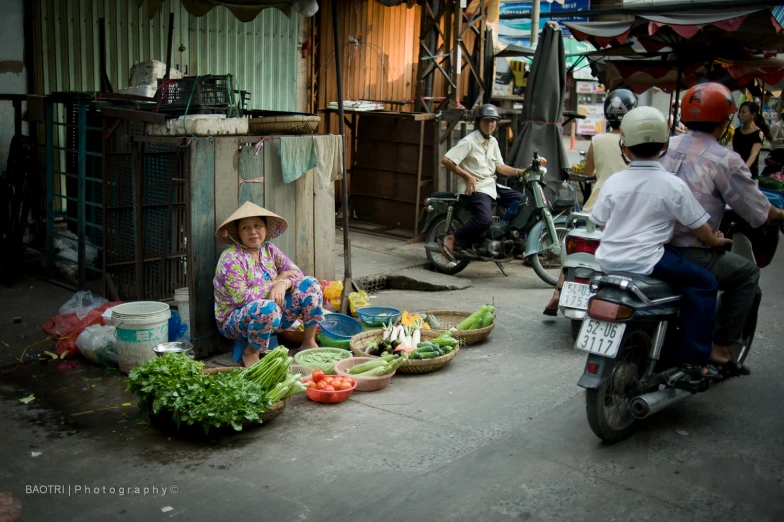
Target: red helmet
[708,102]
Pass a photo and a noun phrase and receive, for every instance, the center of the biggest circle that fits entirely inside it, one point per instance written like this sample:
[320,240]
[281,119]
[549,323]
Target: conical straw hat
[227,232]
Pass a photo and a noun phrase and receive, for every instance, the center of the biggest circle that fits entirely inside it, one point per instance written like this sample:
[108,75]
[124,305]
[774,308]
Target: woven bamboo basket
[284,125]
[412,366]
[451,318]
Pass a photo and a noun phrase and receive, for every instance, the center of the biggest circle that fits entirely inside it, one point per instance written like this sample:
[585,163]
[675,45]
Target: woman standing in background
[748,138]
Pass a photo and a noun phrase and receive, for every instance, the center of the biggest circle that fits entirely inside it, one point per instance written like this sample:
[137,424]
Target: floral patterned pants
[256,321]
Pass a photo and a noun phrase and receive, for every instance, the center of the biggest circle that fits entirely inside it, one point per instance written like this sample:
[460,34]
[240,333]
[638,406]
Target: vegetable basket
[451,318]
[268,415]
[359,341]
[367,383]
[301,359]
[378,315]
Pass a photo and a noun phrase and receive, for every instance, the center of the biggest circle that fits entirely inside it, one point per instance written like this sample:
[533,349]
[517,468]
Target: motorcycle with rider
[489,221]
[634,325]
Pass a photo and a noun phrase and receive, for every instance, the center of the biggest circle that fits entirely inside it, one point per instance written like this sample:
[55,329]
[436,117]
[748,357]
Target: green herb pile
[175,385]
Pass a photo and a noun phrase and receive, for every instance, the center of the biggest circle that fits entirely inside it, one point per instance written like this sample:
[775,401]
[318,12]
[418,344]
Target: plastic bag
[67,341]
[357,300]
[333,291]
[176,328]
[81,303]
[99,344]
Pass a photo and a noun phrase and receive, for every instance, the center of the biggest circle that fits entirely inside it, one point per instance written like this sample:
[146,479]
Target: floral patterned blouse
[239,279]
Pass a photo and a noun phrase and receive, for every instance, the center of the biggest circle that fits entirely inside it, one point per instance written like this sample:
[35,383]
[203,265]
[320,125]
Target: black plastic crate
[207,94]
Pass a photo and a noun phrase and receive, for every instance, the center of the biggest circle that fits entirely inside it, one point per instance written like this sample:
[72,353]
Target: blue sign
[523,25]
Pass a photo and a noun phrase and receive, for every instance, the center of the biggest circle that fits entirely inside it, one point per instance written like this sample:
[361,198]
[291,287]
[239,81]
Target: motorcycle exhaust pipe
[654,402]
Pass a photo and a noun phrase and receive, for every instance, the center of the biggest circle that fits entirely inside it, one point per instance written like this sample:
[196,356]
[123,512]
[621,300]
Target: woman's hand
[278,292]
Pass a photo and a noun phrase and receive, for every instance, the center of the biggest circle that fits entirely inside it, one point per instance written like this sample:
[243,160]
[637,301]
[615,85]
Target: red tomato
[321,385]
[329,388]
[328,379]
[346,385]
[317,375]
[311,384]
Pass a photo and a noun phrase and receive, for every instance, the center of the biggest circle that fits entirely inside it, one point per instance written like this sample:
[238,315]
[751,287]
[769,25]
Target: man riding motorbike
[718,177]
[476,159]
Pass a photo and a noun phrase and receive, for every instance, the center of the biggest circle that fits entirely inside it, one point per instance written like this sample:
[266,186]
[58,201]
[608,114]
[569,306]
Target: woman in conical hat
[258,290]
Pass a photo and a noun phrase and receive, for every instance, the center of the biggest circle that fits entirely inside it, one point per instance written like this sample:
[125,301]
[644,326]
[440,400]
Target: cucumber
[365,366]
[378,371]
[433,322]
[466,323]
[428,355]
[487,320]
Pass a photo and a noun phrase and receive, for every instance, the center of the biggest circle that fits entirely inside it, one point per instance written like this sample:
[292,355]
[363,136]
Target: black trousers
[482,212]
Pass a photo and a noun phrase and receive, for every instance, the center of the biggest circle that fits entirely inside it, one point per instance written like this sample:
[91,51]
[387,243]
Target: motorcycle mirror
[543,161]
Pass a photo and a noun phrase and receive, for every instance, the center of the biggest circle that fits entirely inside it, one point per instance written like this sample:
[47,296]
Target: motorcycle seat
[651,287]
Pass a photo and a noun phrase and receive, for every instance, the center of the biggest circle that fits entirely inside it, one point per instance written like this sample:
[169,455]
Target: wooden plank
[137,167]
[324,230]
[398,157]
[279,197]
[201,246]
[305,251]
[129,114]
[226,183]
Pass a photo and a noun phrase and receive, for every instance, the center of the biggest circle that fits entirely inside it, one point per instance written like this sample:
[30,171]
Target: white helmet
[643,125]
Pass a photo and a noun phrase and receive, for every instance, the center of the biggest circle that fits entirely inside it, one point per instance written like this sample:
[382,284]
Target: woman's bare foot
[250,356]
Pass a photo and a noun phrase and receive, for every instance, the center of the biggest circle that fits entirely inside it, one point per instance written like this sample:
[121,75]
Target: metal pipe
[534,23]
[654,402]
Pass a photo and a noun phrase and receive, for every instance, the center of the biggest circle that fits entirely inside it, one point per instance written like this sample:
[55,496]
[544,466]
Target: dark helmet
[618,103]
[487,111]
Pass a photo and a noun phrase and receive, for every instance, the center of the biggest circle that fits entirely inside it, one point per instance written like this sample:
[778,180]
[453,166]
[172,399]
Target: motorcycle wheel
[546,264]
[439,261]
[608,406]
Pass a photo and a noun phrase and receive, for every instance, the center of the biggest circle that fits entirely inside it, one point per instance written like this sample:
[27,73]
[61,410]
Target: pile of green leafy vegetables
[175,386]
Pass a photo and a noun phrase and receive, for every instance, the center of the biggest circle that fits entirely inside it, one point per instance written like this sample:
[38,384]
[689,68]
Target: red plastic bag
[61,324]
[67,339]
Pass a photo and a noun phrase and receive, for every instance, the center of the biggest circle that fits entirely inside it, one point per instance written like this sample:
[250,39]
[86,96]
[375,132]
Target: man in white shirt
[476,159]
[638,208]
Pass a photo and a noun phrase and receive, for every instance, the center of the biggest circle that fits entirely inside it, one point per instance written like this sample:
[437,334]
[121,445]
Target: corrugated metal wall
[382,65]
[262,54]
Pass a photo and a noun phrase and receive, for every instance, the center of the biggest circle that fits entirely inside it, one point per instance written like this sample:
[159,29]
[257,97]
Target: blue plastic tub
[340,327]
[378,315]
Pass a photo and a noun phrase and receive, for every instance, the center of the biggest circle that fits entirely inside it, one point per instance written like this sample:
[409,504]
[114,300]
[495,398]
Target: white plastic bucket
[140,326]
[183,307]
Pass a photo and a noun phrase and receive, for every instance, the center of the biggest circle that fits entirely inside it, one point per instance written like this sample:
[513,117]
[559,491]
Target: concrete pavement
[499,434]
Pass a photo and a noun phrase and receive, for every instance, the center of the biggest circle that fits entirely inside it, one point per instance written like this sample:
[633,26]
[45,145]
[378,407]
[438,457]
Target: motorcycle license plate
[600,337]
[575,295]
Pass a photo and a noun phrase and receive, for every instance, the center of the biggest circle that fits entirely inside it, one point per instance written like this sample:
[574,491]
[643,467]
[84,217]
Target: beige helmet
[227,232]
[643,125]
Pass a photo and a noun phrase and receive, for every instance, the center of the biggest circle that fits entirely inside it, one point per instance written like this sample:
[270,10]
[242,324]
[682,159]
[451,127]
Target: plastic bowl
[378,315]
[340,327]
[326,368]
[328,397]
[366,384]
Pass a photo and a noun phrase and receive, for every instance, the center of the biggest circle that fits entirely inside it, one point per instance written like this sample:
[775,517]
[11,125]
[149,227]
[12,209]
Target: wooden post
[419,176]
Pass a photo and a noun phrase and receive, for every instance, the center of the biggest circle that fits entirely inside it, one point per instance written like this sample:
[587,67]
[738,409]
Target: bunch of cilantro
[174,385]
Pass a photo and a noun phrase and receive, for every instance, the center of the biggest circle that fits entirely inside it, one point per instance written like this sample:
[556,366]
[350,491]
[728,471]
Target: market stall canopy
[243,10]
[729,30]
[544,100]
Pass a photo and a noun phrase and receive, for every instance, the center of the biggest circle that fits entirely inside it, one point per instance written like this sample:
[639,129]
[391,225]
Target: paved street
[499,434]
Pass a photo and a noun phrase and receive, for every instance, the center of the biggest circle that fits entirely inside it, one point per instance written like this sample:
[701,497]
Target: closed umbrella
[543,106]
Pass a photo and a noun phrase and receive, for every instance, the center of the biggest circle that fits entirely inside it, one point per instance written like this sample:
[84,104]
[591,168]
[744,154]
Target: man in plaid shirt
[718,177]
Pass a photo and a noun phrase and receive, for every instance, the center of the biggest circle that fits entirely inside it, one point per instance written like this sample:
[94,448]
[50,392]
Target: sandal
[553,312]
[446,251]
[692,370]
[731,369]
